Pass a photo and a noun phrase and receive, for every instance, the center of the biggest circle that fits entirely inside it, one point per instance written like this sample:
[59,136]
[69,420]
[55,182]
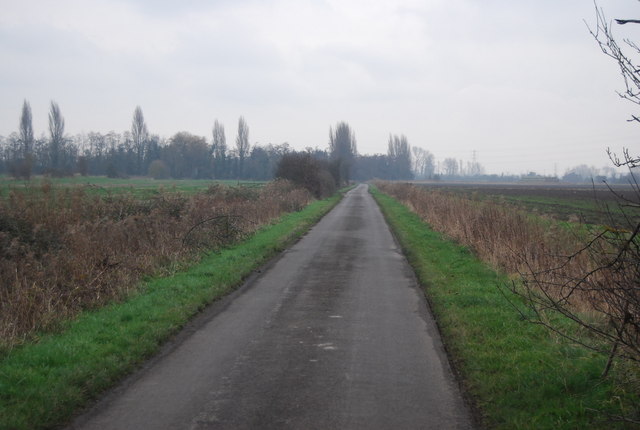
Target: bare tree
[450,167]
[26,129]
[343,150]
[611,48]
[56,134]
[219,149]
[139,135]
[399,154]
[423,163]
[23,164]
[242,144]
[604,273]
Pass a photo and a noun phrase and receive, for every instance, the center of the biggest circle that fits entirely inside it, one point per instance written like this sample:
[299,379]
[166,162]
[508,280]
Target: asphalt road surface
[335,334]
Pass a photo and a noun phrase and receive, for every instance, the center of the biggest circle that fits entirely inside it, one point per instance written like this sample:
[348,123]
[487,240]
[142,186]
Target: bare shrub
[64,250]
[308,172]
[609,283]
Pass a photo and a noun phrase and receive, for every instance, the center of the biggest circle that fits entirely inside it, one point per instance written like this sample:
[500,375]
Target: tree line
[138,152]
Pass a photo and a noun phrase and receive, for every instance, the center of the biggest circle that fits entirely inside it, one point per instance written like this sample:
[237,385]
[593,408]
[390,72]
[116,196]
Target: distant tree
[3,155]
[242,144]
[423,163]
[374,166]
[127,154]
[26,130]
[56,139]
[111,170]
[139,135]
[343,150]
[259,164]
[263,161]
[609,173]
[82,165]
[450,167]
[580,173]
[276,152]
[40,154]
[219,150]
[187,156]
[399,153]
[21,163]
[13,151]
[97,149]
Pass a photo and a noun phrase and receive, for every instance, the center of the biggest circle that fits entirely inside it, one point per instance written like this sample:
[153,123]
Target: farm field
[138,186]
[564,202]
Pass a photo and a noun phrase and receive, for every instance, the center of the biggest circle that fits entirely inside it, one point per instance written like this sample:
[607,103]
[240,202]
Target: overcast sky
[522,83]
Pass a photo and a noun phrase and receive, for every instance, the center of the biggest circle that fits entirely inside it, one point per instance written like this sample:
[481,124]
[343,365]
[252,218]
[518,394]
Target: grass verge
[517,374]
[42,384]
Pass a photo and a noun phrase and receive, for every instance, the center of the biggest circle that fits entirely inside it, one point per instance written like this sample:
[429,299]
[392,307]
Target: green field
[139,186]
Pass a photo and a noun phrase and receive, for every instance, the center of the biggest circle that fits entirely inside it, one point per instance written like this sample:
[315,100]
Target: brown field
[590,204]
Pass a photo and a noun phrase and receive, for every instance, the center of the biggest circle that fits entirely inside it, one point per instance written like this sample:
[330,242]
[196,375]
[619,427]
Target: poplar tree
[139,135]
[343,150]
[242,144]
[56,134]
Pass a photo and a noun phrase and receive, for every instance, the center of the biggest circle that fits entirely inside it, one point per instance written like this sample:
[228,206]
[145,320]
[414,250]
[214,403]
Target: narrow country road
[334,335]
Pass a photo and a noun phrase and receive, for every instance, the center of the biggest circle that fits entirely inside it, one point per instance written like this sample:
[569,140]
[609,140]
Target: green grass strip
[517,374]
[42,384]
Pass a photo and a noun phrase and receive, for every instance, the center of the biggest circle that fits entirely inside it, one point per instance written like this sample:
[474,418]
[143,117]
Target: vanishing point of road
[335,334]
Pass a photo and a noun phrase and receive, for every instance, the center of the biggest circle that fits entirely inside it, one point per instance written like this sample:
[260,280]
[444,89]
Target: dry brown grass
[587,275]
[64,250]
[509,240]
[497,234]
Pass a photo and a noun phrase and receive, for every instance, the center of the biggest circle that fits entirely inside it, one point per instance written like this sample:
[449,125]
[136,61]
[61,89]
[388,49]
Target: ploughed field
[590,204]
